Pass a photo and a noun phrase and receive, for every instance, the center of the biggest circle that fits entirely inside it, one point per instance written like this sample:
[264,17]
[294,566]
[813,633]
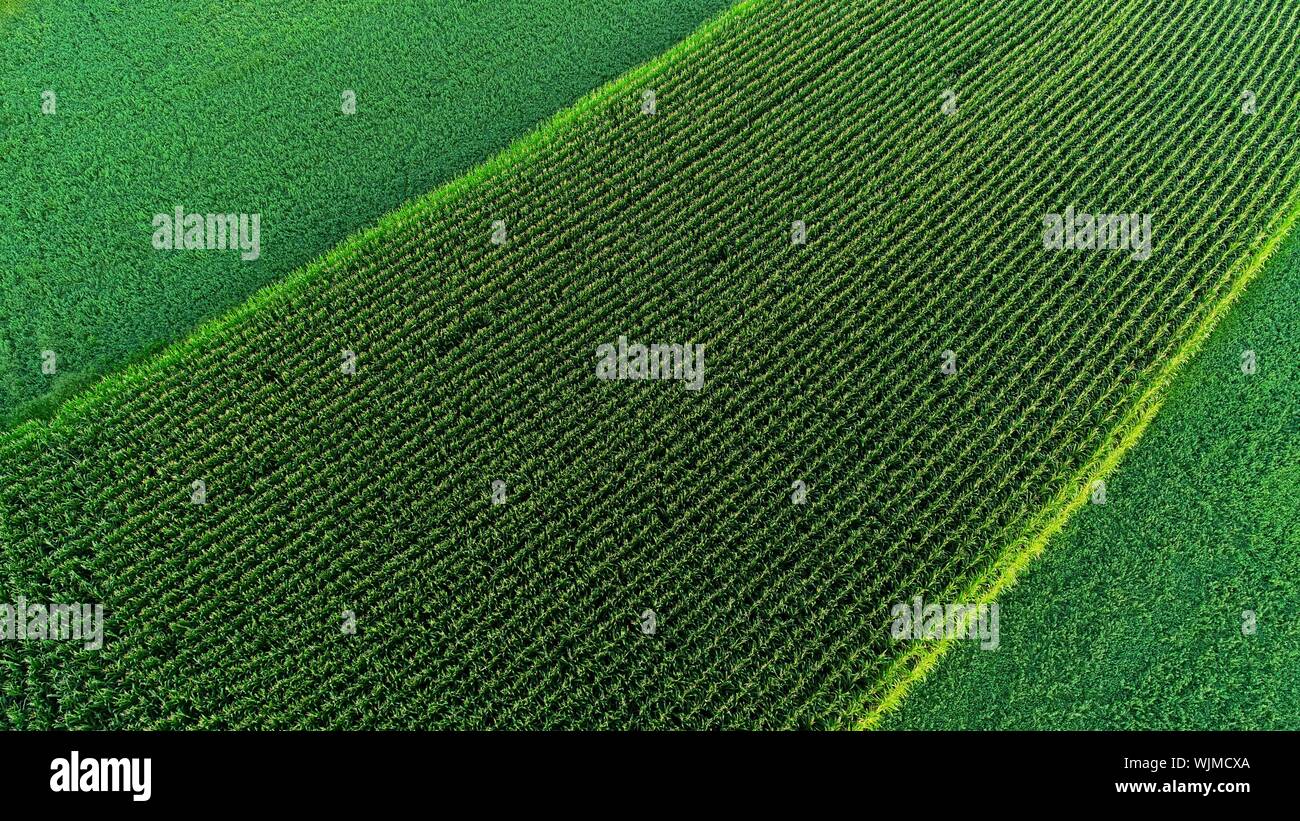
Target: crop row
[371,493]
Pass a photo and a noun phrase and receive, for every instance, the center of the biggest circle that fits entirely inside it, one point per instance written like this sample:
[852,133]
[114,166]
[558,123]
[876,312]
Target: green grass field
[237,107]
[1139,615]
[330,496]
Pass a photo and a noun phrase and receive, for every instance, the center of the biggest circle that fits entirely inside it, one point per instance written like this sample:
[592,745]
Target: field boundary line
[521,149]
[914,665]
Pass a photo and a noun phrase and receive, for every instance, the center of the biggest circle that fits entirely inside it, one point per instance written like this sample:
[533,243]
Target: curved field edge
[439,93]
[1139,385]
[280,292]
[913,666]
[82,403]
[1172,607]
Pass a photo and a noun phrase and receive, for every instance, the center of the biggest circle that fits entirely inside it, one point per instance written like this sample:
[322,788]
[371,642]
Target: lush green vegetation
[1140,615]
[237,107]
[373,493]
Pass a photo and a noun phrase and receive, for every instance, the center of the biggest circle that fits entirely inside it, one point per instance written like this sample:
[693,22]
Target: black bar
[969,771]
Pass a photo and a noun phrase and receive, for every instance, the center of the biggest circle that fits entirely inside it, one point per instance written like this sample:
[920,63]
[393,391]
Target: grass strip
[373,494]
[914,665]
[240,108]
[1171,607]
